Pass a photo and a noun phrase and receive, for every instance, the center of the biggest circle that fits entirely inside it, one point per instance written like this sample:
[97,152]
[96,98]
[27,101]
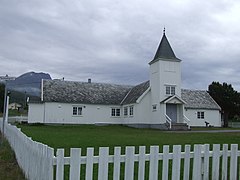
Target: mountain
[28,83]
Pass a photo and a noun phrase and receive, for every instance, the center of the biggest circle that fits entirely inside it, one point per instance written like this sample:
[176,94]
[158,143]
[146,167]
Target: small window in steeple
[170,90]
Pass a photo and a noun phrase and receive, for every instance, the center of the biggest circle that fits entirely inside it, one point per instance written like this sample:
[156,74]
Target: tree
[2,90]
[227,98]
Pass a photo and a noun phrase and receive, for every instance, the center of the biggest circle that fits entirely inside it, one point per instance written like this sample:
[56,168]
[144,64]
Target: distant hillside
[28,83]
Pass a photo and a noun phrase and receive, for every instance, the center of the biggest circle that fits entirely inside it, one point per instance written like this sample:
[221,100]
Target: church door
[172,112]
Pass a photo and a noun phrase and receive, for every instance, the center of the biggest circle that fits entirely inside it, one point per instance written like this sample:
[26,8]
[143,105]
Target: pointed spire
[164,49]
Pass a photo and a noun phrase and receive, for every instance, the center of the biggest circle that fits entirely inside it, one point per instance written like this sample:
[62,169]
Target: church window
[200,114]
[170,90]
[77,110]
[115,112]
[131,110]
[154,107]
[125,111]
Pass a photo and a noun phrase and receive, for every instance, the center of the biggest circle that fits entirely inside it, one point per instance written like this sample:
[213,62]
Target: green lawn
[69,136]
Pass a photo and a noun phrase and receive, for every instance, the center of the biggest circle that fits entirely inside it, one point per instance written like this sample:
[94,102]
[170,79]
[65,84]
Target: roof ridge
[85,82]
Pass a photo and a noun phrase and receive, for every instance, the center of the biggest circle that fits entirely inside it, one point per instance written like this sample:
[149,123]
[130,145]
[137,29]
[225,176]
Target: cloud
[113,41]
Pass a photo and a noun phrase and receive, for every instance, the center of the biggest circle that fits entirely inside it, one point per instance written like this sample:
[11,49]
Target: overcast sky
[112,41]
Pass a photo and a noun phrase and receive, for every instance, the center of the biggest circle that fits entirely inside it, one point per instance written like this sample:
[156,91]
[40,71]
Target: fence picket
[153,169]
[103,163]
[233,161]
[165,162]
[60,164]
[186,162]
[141,163]
[129,163]
[89,163]
[197,162]
[206,162]
[215,161]
[75,163]
[224,162]
[176,162]
[116,163]
[50,156]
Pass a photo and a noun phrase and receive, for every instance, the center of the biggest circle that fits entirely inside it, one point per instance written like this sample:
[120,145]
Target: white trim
[141,97]
[175,96]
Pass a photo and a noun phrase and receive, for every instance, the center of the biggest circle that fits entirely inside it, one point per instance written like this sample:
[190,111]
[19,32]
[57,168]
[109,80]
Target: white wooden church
[158,103]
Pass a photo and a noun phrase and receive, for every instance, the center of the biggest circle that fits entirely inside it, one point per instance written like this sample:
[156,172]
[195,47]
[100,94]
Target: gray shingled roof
[135,93]
[111,94]
[83,92]
[198,99]
[164,50]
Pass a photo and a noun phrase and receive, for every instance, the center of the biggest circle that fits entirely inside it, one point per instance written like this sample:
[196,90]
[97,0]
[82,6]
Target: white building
[158,103]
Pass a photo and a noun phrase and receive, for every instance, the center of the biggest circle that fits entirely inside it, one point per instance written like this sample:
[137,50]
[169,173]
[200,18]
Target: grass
[69,136]
[9,169]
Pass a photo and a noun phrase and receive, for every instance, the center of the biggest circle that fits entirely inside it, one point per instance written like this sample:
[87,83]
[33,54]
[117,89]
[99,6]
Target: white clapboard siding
[38,161]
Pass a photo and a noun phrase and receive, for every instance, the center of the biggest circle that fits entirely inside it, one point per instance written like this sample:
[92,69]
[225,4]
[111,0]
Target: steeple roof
[164,50]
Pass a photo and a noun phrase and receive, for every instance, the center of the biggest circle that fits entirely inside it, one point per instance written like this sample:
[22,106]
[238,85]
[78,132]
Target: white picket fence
[34,158]
[205,164]
[178,162]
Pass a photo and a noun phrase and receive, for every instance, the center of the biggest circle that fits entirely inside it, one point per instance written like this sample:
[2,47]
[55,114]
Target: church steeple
[164,50]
